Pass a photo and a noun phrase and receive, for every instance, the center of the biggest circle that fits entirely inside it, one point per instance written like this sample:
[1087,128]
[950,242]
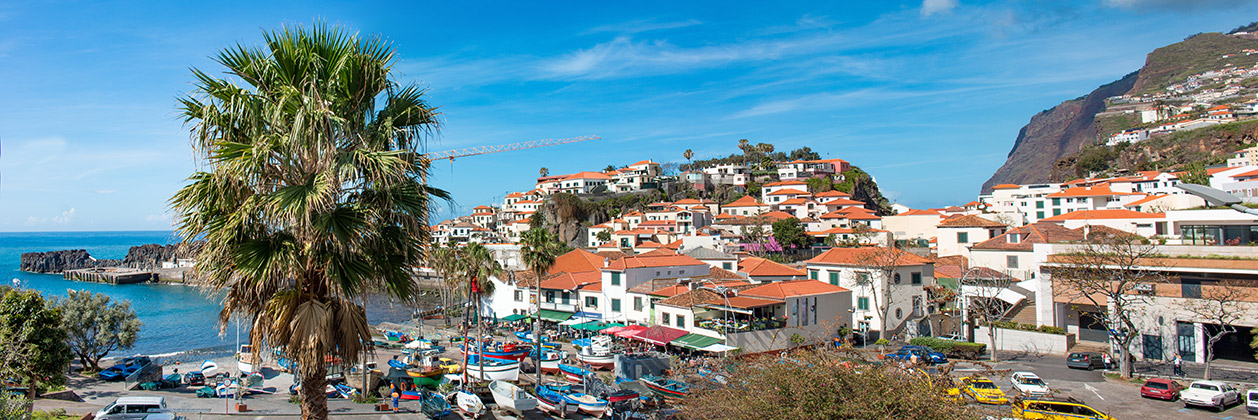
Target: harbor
[111,275]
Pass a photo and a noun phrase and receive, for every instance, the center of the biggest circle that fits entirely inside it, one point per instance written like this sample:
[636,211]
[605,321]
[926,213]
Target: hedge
[1014,325]
[952,348]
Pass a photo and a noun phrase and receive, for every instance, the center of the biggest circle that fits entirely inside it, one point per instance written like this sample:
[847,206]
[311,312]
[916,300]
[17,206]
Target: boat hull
[662,389]
[607,361]
[554,404]
[514,355]
[573,374]
[503,371]
[469,404]
[511,397]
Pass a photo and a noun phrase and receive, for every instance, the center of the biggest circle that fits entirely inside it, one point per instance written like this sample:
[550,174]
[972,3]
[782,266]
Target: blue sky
[926,96]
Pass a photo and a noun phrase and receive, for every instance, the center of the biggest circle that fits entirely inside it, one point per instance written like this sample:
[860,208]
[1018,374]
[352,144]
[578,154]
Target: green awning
[554,316]
[695,341]
[589,326]
[610,325]
[513,317]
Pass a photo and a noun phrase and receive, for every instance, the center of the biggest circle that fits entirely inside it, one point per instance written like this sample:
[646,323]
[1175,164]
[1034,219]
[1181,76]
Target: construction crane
[484,150]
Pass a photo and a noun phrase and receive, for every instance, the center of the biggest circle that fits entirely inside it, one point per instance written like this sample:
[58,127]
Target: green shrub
[882,342]
[1052,330]
[952,348]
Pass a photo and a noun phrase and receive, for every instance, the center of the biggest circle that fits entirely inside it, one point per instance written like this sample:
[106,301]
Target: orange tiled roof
[868,256]
[1093,191]
[644,162]
[1006,186]
[761,267]
[1141,201]
[588,175]
[926,212]
[780,183]
[971,220]
[572,281]
[742,302]
[576,261]
[640,261]
[780,290]
[832,193]
[789,191]
[1105,214]
[793,202]
[745,201]
[843,202]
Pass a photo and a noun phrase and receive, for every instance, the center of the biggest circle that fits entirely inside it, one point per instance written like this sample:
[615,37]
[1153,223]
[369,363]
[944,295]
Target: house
[585,182]
[1244,157]
[1140,223]
[713,257]
[878,278]
[913,224]
[1158,203]
[760,270]
[958,233]
[744,206]
[1093,197]
[859,235]
[639,176]
[728,174]
[811,168]
[626,273]
[776,198]
[1131,135]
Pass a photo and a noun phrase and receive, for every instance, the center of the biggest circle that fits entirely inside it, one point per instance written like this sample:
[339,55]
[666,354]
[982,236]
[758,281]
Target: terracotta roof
[644,162]
[745,201]
[649,244]
[572,281]
[780,183]
[588,175]
[611,255]
[670,291]
[760,267]
[1006,186]
[576,261]
[1249,174]
[794,202]
[843,202]
[691,298]
[863,216]
[868,256]
[778,215]
[958,260]
[971,221]
[832,193]
[789,191]
[1042,232]
[780,290]
[840,231]
[920,213]
[1093,191]
[525,279]
[640,261]
[956,272]
[1105,214]
[742,302]
[1150,198]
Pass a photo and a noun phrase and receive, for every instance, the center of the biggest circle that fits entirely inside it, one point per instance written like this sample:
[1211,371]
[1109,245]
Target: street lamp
[1217,197]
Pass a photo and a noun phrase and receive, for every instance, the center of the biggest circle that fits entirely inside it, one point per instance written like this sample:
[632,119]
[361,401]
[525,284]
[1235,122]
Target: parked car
[983,390]
[953,337]
[935,357]
[1085,360]
[923,354]
[1216,395]
[1161,388]
[1056,409]
[1029,384]
[1251,401]
[131,408]
[194,378]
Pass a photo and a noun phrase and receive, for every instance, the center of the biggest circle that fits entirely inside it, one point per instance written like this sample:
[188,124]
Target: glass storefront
[1232,235]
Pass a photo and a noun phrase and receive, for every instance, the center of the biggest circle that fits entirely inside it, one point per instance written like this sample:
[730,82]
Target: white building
[861,271]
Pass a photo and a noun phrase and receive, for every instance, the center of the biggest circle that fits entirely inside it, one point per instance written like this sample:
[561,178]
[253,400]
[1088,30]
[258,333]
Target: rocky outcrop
[152,255]
[59,261]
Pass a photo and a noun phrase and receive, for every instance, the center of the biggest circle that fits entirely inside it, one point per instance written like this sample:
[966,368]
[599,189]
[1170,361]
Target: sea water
[180,322]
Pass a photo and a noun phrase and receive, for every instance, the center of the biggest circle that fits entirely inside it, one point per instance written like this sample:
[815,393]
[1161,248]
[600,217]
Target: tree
[478,266]
[819,184]
[538,251]
[982,305]
[543,172]
[688,154]
[881,277]
[745,146]
[609,168]
[444,261]
[1194,173]
[790,233]
[819,384]
[604,236]
[1105,271]
[32,327]
[1221,304]
[96,325]
[313,191]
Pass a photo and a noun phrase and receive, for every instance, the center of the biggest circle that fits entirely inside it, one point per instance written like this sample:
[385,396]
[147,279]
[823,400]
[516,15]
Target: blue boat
[588,404]
[435,406]
[552,400]
[573,373]
[113,373]
[397,364]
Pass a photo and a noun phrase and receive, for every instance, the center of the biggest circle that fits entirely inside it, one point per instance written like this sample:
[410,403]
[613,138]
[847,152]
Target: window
[615,305]
[519,295]
[591,302]
[899,313]
[1039,204]
[916,278]
[1011,261]
[897,278]
[963,237]
[550,296]
[681,321]
[727,266]
[812,274]
[862,303]
[566,298]
[664,318]
[1057,212]
[1039,215]
[615,278]
[1056,202]
[834,279]
[637,303]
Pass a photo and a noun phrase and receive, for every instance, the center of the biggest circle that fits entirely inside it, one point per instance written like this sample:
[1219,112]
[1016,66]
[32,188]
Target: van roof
[140,400]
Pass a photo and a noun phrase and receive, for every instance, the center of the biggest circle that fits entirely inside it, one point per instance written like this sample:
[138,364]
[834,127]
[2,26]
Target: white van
[131,408]
[1251,401]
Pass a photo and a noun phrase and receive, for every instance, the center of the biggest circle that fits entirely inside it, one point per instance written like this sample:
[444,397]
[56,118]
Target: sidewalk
[1219,371]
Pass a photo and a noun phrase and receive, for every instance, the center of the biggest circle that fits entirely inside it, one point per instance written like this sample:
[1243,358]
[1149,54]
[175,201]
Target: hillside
[1173,75]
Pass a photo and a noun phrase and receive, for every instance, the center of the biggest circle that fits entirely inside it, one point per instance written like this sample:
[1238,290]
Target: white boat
[511,397]
[494,369]
[598,354]
[244,359]
[469,403]
[209,368]
[588,404]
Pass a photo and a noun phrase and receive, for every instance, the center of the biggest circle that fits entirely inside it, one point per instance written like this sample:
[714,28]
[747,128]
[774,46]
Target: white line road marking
[1093,389]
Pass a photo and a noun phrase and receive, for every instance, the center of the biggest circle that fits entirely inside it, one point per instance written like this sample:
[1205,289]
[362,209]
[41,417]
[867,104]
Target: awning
[629,331]
[718,348]
[1004,294]
[659,335]
[513,317]
[573,321]
[587,315]
[612,329]
[695,341]
[554,316]
[588,326]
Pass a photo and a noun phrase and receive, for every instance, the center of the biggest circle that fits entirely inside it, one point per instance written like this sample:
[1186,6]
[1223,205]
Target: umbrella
[660,335]
[629,331]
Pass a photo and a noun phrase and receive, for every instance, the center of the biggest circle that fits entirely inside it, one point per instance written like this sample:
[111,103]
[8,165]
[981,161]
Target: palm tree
[688,154]
[311,191]
[538,252]
[543,172]
[745,146]
[443,260]
[479,266]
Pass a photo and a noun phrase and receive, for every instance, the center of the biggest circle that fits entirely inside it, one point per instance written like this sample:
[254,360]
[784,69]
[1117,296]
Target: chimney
[605,259]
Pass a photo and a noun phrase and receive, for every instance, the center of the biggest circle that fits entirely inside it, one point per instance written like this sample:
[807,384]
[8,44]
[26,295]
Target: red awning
[629,331]
[659,335]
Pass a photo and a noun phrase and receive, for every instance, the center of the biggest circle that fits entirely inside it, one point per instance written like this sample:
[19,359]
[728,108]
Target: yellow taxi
[450,366]
[1056,409]
[983,390]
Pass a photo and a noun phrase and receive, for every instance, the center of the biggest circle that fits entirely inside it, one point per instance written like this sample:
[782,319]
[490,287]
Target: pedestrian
[1109,362]
[1178,362]
[397,395]
[913,359]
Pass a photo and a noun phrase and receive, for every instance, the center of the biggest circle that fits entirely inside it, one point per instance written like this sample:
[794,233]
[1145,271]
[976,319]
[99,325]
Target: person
[1178,362]
[397,395]
[913,359]
[1109,362]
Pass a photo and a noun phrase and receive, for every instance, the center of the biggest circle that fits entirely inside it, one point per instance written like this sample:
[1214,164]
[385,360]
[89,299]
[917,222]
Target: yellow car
[1056,409]
[983,390]
[940,380]
[449,365]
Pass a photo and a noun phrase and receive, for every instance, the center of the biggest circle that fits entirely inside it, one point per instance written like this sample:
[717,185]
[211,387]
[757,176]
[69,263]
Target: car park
[131,408]
[1161,388]
[983,390]
[1029,384]
[1212,394]
[1085,360]
[1055,409]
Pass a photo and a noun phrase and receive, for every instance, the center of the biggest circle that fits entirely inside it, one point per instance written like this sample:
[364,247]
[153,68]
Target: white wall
[1025,341]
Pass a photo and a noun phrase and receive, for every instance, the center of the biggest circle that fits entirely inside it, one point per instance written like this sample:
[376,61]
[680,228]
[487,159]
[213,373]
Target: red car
[1162,389]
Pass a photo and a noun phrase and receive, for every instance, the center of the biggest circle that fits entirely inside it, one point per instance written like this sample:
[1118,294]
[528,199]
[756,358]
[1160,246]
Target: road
[1120,400]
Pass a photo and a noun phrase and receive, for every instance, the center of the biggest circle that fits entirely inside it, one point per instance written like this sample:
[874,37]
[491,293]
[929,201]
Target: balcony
[562,306]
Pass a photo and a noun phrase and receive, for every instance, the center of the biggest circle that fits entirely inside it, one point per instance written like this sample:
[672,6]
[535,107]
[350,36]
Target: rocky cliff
[59,261]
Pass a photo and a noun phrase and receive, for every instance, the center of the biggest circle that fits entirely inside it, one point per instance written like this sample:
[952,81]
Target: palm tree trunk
[314,402]
[537,336]
[480,341]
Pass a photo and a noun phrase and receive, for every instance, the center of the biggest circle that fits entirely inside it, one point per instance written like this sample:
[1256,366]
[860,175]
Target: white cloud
[643,25]
[61,219]
[930,7]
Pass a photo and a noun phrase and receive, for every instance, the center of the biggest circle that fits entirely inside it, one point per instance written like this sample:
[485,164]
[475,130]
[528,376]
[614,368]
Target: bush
[1013,325]
[882,342]
[952,348]
[1052,330]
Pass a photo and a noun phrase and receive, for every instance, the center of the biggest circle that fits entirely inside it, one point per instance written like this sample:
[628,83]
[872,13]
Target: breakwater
[142,257]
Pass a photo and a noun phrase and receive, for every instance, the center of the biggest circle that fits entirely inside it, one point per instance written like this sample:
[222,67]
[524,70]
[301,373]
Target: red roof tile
[868,256]
[1105,214]
[780,290]
[760,267]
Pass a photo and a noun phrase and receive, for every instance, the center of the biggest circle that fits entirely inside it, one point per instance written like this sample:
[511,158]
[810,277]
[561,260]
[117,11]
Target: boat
[504,351]
[511,397]
[345,391]
[427,377]
[209,368]
[244,359]
[598,354]
[226,389]
[665,388]
[574,374]
[254,380]
[587,404]
[548,361]
[397,364]
[423,344]
[112,373]
[468,403]
[434,406]
[412,395]
[621,395]
[494,369]
[553,401]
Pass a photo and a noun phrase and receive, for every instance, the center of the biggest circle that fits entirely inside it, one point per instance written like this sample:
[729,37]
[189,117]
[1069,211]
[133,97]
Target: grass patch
[58,414]
[1117,377]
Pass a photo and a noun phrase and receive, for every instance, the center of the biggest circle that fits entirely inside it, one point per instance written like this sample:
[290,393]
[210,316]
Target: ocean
[180,322]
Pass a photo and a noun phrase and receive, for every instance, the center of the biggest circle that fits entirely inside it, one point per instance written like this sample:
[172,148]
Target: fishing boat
[468,403]
[621,395]
[511,397]
[598,354]
[553,401]
[434,405]
[548,360]
[429,377]
[573,374]
[666,388]
[413,395]
[493,370]
[244,359]
[587,404]
[209,368]
[504,351]
[423,344]
[345,391]
[397,364]
[112,373]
